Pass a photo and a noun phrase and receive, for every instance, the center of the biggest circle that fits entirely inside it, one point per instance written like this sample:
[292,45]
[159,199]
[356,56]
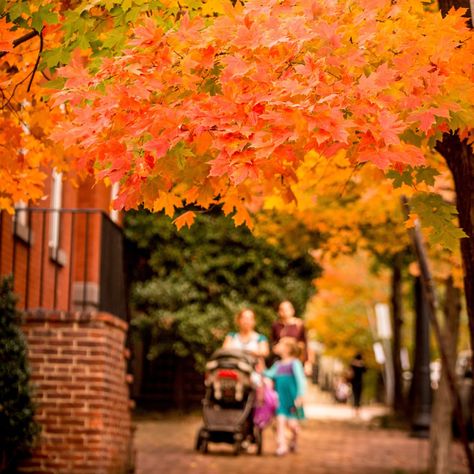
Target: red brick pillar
[78,365]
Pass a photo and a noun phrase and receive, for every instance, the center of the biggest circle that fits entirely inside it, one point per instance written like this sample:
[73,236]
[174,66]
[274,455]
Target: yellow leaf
[185,219]
[203,142]
[191,194]
[242,217]
[411,221]
[167,201]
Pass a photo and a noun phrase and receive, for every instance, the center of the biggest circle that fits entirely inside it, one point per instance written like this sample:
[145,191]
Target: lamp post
[421,382]
[384,333]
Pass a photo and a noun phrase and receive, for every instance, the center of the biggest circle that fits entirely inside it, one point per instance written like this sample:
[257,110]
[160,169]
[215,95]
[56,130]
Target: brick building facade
[67,262]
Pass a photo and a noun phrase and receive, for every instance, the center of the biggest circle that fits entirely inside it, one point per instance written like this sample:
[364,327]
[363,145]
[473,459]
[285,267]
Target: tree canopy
[224,111]
[180,106]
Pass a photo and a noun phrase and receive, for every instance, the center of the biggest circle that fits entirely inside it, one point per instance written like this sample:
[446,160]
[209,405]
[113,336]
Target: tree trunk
[446,5]
[460,159]
[430,295]
[441,423]
[397,323]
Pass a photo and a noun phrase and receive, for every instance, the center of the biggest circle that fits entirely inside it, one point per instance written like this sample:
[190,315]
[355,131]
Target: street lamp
[421,382]
[384,333]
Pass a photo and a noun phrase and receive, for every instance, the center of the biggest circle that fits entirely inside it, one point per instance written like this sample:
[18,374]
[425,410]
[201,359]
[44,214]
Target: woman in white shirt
[247,338]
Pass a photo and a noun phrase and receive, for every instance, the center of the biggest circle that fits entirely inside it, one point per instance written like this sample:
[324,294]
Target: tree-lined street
[292,179]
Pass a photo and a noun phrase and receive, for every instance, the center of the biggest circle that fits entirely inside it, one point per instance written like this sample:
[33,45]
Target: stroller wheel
[258,435]
[237,447]
[202,444]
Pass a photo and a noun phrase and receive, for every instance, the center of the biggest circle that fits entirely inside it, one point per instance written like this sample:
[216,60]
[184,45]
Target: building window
[56,203]
[21,215]
[21,227]
[56,253]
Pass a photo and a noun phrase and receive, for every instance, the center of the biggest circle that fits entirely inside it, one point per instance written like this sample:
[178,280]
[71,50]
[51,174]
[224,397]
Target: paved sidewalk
[331,442]
[321,406]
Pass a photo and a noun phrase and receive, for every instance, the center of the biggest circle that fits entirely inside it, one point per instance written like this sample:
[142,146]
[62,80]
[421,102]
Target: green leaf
[65,56]
[44,15]
[410,136]
[438,215]
[83,42]
[448,236]
[426,175]
[132,14]
[116,11]
[69,25]
[17,10]
[55,83]
[52,57]
[114,38]
[405,177]
[181,151]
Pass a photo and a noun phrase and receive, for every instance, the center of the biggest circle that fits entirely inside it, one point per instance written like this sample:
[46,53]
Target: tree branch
[21,40]
[37,62]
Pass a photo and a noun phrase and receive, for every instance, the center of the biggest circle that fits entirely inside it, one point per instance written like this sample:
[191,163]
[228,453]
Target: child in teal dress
[289,380]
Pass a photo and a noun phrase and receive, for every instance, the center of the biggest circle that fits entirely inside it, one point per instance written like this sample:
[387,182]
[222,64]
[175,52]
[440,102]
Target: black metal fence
[68,260]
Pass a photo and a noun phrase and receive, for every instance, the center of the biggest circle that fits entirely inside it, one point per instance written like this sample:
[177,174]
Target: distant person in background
[288,325]
[357,371]
[342,389]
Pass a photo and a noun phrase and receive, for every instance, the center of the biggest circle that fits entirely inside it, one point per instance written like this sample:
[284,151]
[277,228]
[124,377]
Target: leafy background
[188,285]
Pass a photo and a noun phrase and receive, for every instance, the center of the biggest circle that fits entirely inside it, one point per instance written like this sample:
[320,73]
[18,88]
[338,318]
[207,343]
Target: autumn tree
[243,98]
[341,312]
[37,36]
[182,108]
[222,110]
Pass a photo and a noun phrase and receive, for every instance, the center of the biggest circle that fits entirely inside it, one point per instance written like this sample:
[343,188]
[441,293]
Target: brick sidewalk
[326,447]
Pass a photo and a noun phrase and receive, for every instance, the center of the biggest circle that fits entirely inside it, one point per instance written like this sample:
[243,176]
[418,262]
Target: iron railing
[67,260]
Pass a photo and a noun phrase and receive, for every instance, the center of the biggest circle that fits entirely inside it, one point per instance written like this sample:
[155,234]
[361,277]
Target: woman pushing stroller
[233,382]
[237,404]
[247,339]
[287,375]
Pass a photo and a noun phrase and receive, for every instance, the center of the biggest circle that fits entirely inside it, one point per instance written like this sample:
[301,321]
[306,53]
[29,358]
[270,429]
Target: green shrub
[18,429]
[188,285]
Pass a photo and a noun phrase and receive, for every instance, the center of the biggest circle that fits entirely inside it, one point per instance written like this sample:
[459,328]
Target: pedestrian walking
[357,371]
[287,375]
[288,325]
[246,338]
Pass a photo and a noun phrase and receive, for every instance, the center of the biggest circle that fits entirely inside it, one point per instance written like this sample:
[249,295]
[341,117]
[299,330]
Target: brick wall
[78,364]
[34,291]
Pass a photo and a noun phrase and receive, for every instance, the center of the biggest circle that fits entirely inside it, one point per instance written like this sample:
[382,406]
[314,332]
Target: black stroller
[229,401]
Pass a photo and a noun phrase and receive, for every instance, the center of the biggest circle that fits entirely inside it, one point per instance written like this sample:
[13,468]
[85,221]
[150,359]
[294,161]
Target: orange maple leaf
[7,36]
[242,216]
[185,219]
[167,201]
